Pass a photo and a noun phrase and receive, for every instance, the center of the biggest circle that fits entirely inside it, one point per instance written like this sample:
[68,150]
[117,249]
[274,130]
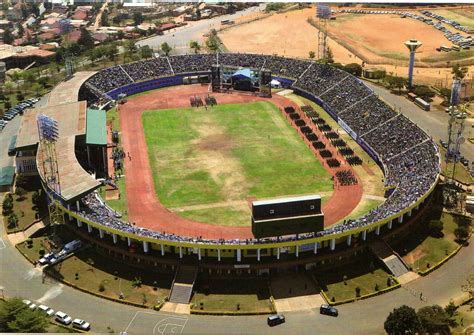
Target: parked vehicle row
[53,258]
[452,23]
[59,316]
[14,111]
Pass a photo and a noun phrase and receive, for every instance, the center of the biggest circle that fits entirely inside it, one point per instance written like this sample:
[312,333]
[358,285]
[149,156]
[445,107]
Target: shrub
[461,233]
[41,252]
[376,287]
[137,282]
[333,299]
[357,289]
[344,278]
[389,281]
[101,287]
[436,228]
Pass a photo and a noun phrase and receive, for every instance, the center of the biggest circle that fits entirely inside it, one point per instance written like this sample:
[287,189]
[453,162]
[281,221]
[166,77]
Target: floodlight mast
[455,128]
[323,13]
[48,135]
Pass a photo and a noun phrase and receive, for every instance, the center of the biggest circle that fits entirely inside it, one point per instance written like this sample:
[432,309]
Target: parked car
[81,324]
[63,318]
[46,258]
[328,310]
[45,309]
[275,319]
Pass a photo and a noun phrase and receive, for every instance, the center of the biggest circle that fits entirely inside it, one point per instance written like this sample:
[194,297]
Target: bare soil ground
[378,37]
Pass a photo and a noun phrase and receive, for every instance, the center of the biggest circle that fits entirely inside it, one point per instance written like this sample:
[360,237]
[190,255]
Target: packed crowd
[408,156]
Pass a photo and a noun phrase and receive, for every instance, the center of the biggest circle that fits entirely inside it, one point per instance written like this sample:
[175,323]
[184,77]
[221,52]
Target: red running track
[144,207]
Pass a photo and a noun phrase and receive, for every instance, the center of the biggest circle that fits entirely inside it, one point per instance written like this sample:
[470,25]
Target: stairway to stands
[183,284]
[392,261]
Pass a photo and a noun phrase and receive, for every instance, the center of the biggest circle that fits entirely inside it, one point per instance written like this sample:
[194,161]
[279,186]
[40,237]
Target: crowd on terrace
[409,157]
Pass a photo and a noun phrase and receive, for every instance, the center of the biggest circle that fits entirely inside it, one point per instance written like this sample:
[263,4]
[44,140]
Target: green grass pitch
[207,165]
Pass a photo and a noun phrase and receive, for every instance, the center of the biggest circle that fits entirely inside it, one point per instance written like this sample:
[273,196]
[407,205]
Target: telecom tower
[323,13]
[455,127]
[48,136]
[412,45]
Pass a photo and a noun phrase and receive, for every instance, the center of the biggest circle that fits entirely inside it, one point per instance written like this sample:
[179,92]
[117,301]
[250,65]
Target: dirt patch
[413,256]
[112,194]
[215,146]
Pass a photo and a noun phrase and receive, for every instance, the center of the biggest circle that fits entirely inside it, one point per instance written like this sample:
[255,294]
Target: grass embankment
[24,208]
[106,277]
[340,284]
[119,204]
[227,155]
[232,295]
[421,250]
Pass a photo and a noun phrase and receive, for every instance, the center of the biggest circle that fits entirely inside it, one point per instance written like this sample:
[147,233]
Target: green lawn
[94,270]
[223,295]
[25,210]
[364,274]
[423,249]
[464,16]
[227,154]
[33,250]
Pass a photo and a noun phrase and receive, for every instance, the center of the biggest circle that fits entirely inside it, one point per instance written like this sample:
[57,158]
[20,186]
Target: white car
[27,302]
[81,324]
[46,258]
[45,309]
[63,318]
[30,305]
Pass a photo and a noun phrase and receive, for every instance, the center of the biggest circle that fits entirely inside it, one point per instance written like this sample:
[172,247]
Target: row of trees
[16,317]
[427,320]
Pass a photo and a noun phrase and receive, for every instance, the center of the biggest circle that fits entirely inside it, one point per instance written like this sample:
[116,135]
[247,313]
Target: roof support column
[297,252]
[389,224]
[400,219]
[199,253]
[162,249]
[364,235]
[349,240]
[219,255]
[180,252]
[89,228]
[278,253]
[333,244]
[101,233]
[145,247]
[315,248]
[129,241]
[239,255]
[377,230]
[114,238]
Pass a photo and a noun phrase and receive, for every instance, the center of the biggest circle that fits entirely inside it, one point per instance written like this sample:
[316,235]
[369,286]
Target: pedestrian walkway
[391,260]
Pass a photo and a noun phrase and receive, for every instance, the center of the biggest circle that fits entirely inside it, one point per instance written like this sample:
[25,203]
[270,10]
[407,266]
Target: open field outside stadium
[209,164]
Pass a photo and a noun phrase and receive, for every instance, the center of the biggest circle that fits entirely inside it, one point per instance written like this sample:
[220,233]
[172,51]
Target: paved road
[19,278]
[6,134]
[179,38]
[435,123]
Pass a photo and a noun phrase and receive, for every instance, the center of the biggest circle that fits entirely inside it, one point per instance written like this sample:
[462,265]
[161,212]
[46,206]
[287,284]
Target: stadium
[160,237]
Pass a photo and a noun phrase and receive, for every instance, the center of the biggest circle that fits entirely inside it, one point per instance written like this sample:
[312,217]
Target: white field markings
[32,273]
[2,244]
[168,325]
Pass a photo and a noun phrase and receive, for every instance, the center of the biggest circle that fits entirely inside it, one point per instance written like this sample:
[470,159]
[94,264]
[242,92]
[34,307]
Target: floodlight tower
[455,127]
[412,45]
[48,135]
[323,13]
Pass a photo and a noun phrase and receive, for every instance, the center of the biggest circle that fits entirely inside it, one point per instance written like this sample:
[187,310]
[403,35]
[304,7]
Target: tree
[36,198]
[104,19]
[434,319]
[37,88]
[146,52]
[21,30]
[445,94]
[403,320]
[12,220]
[424,92]
[450,309]
[111,51]
[459,72]
[21,180]
[20,192]
[436,228]
[195,46]
[16,317]
[395,82]
[354,69]
[85,40]
[461,233]
[329,56]
[312,54]
[137,18]
[165,47]
[7,205]
[7,36]
[213,43]
[129,46]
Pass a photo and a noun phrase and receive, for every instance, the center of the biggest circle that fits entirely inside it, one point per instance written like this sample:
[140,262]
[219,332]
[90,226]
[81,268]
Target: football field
[208,164]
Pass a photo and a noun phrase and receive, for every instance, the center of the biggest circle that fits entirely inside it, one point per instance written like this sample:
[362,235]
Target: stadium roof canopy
[96,131]
[71,118]
[68,91]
